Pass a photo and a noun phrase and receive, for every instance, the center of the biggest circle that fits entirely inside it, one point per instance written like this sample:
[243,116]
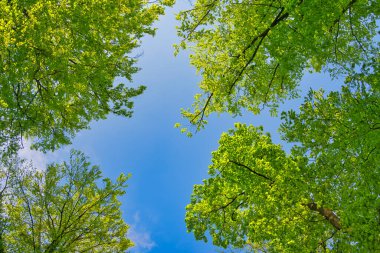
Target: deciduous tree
[68,207]
[252,54]
[324,195]
[58,63]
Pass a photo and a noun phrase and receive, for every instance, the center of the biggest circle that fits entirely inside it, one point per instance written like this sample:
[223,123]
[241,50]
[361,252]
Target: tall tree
[252,54]
[66,208]
[58,63]
[324,195]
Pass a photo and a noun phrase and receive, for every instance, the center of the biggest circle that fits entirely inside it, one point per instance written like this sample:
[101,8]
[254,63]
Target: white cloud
[39,159]
[140,237]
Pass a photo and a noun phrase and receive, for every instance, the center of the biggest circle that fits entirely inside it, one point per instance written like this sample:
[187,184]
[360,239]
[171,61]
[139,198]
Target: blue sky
[164,163]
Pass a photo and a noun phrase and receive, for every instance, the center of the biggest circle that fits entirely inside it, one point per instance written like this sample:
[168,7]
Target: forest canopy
[317,191]
[324,195]
[58,63]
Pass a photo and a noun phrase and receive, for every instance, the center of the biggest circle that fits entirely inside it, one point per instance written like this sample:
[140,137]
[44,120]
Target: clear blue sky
[164,163]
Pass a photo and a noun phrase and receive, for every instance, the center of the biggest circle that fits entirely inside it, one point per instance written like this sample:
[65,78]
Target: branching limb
[251,170]
[327,213]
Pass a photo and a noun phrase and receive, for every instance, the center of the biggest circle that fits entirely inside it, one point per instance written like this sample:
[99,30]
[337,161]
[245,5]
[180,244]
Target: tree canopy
[58,63]
[59,60]
[260,198]
[68,207]
[324,195]
[252,54]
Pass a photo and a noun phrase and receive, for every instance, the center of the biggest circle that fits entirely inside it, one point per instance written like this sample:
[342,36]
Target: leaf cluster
[64,208]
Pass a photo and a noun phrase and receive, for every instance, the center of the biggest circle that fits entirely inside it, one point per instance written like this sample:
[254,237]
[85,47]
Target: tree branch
[200,20]
[280,16]
[251,170]
[228,203]
[201,113]
[327,213]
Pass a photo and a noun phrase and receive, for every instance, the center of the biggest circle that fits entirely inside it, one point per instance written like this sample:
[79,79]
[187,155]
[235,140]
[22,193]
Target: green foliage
[252,54]
[66,208]
[324,195]
[58,63]
[260,198]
